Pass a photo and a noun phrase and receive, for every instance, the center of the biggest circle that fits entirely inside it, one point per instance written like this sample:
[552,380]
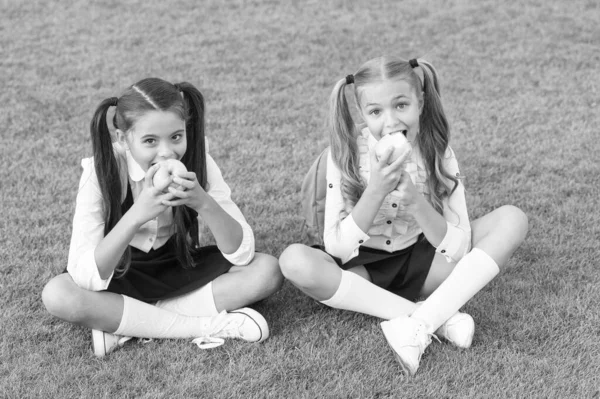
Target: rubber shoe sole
[258,320]
[104,343]
[458,330]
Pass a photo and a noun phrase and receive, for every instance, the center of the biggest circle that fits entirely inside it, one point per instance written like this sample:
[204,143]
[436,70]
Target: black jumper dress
[158,274]
[402,272]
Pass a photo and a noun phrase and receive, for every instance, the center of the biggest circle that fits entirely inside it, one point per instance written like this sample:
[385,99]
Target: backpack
[313,193]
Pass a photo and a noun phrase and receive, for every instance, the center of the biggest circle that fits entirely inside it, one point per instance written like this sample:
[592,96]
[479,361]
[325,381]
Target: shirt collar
[136,173]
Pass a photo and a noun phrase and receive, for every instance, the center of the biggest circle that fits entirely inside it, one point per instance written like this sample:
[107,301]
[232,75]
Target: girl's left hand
[409,195]
[189,192]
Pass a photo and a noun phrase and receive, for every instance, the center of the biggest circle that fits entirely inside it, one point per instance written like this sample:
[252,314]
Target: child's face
[155,137]
[390,106]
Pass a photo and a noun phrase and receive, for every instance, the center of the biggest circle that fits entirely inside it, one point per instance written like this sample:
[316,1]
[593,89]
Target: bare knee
[294,263]
[516,220]
[267,273]
[62,299]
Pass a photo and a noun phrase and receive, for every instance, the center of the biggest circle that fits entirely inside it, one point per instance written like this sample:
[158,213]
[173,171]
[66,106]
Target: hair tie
[349,79]
[413,63]
[177,86]
[114,101]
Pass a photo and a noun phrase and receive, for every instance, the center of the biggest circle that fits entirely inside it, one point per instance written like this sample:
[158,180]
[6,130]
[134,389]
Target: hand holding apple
[168,169]
[396,140]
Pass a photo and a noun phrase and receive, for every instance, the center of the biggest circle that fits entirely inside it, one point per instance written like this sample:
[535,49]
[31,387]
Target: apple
[167,169]
[396,140]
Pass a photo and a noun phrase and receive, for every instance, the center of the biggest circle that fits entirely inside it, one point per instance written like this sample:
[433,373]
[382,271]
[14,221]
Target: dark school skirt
[402,272]
[158,275]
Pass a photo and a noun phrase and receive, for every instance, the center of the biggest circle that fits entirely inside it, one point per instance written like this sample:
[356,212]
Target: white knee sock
[473,272]
[196,303]
[360,295]
[143,320]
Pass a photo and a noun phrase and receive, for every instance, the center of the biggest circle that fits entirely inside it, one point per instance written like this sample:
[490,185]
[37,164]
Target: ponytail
[151,94]
[107,171]
[185,218]
[344,149]
[434,136]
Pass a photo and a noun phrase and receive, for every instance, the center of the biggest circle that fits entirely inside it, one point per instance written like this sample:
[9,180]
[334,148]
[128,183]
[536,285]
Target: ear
[121,138]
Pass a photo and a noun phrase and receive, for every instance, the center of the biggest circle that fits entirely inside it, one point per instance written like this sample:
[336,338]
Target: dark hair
[150,94]
[434,131]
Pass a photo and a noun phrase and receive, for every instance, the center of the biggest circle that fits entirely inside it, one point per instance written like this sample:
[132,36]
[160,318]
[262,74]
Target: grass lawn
[521,86]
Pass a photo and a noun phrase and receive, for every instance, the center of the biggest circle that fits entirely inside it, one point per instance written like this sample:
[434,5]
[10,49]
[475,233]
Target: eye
[374,112]
[149,141]
[177,136]
[402,105]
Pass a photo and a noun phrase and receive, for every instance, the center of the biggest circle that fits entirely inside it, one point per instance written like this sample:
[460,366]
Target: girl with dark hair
[135,267]
[398,230]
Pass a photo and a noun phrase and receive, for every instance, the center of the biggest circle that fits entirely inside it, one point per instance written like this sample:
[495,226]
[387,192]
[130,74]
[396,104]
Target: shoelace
[217,325]
[419,332]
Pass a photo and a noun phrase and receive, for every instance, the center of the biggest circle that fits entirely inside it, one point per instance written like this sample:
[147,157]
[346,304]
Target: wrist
[373,194]
[420,204]
[205,205]
[133,218]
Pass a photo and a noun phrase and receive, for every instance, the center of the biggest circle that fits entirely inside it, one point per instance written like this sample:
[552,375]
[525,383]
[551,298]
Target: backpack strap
[313,194]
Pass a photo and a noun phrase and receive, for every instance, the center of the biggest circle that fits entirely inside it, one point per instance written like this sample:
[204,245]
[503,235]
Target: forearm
[366,209]
[226,230]
[109,251]
[430,221]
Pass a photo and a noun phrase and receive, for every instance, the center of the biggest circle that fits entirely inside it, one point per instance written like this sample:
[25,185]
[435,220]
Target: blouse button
[443,251]
[330,185]
[360,241]
[150,239]
[389,222]
[394,205]
[388,242]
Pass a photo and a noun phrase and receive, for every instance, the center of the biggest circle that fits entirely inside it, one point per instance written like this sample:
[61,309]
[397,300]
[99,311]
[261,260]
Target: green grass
[521,86]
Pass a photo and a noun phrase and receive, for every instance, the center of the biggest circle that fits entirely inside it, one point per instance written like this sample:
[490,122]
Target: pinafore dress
[158,274]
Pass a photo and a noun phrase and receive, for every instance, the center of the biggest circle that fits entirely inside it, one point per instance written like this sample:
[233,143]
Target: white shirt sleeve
[343,238]
[88,231]
[220,191]
[457,241]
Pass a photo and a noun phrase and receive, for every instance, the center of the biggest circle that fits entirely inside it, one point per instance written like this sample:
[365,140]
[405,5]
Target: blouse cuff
[455,245]
[245,252]
[85,273]
[346,246]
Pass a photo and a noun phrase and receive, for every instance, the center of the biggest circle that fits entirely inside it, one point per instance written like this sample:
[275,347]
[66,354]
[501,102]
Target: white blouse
[393,229]
[88,221]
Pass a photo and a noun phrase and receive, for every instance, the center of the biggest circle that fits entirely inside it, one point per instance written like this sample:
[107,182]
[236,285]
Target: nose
[165,151]
[391,119]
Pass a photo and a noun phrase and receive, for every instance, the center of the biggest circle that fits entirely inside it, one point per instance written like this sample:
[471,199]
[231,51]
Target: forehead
[384,91]
[158,122]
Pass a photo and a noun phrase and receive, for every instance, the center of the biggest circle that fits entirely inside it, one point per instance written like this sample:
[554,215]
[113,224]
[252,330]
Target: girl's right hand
[385,178]
[149,204]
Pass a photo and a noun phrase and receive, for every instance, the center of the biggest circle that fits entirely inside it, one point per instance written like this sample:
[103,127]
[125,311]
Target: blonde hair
[432,140]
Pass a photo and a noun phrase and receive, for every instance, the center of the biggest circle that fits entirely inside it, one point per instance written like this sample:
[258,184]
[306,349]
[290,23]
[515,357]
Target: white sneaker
[458,330]
[245,324]
[105,343]
[408,338]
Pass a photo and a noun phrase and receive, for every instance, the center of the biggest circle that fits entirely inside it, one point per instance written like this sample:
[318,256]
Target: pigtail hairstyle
[152,94]
[434,136]
[434,131]
[344,149]
[186,219]
[107,170]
